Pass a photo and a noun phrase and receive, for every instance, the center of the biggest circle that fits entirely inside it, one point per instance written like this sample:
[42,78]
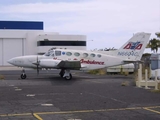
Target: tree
[157,34]
[154,44]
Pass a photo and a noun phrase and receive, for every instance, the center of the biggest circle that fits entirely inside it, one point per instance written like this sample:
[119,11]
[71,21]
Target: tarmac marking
[30,95]
[152,107]
[135,108]
[18,89]
[20,114]
[36,114]
[46,104]
[152,110]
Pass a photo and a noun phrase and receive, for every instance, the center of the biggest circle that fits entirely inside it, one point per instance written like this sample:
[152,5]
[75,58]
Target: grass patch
[1,77]
[98,72]
[125,83]
[125,73]
[155,91]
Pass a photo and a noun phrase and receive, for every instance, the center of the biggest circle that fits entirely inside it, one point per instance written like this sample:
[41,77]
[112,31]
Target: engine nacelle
[49,63]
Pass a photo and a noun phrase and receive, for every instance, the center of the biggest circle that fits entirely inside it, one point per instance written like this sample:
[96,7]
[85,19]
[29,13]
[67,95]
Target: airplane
[67,60]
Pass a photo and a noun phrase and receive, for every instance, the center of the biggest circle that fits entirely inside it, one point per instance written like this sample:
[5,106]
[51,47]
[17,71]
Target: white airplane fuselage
[90,62]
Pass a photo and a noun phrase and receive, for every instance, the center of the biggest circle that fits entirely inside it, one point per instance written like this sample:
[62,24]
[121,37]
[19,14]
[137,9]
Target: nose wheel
[23,75]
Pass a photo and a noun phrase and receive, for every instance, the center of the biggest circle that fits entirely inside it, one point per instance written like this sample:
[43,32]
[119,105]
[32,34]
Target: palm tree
[154,44]
[158,34]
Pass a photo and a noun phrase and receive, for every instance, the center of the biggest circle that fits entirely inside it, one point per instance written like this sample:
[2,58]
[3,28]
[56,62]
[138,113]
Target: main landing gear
[23,75]
[65,74]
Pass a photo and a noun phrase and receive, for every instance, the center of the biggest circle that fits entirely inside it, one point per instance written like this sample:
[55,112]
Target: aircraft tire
[68,77]
[23,76]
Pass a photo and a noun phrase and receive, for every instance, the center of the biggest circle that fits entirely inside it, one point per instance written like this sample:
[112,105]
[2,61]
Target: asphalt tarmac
[86,97]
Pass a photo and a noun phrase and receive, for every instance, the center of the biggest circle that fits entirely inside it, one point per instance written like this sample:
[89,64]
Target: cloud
[53,7]
[98,19]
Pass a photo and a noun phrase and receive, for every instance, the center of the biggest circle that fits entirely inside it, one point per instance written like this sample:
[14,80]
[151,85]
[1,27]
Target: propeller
[37,64]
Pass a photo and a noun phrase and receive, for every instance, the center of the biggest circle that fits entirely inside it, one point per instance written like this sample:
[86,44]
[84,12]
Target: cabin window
[57,53]
[77,54]
[99,55]
[85,55]
[68,53]
[92,55]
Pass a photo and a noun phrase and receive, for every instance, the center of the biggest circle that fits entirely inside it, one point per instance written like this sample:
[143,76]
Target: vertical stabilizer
[134,47]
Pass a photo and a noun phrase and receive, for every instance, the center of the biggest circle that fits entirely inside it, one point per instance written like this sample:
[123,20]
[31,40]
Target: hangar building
[19,38]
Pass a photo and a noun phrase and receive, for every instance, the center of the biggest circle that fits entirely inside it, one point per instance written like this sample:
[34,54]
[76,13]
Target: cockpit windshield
[53,52]
[49,53]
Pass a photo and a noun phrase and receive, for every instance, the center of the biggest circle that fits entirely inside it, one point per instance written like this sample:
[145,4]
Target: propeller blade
[37,66]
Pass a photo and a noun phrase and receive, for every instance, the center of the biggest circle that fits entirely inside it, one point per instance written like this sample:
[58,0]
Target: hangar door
[1,52]
[11,48]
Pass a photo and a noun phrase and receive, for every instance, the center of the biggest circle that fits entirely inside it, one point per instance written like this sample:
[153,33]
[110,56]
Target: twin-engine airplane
[67,60]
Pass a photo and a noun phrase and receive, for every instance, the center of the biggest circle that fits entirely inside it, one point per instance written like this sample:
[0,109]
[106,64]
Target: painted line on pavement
[151,110]
[20,114]
[83,111]
[37,116]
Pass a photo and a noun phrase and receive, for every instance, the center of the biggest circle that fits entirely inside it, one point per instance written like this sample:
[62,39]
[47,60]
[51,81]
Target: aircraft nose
[10,61]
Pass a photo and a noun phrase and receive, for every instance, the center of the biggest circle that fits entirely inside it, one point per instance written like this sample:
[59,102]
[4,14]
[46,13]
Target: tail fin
[134,47]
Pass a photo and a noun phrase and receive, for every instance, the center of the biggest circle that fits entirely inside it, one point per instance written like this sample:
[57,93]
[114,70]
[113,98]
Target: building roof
[22,25]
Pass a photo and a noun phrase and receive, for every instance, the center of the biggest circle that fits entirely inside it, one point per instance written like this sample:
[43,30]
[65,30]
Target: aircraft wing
[73,65]
[60,64]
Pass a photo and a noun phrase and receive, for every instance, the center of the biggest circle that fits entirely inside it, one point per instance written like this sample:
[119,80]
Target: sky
[106,23]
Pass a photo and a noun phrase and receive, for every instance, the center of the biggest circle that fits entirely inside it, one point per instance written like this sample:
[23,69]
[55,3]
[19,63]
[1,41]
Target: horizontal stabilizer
[131,61]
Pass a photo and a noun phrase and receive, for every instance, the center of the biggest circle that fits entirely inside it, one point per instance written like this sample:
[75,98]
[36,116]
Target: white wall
[13,33]
[62,37]
[12,44]
[1,52]
[31,42]
[11,48]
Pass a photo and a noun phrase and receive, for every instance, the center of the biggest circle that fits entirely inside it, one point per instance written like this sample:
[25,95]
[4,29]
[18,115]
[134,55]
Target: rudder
[134,47]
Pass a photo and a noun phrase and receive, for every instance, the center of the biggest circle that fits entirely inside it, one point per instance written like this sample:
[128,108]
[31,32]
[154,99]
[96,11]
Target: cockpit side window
[57,53]
[49,53]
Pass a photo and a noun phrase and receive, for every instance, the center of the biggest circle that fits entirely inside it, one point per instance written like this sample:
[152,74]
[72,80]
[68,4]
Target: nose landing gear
[23,75]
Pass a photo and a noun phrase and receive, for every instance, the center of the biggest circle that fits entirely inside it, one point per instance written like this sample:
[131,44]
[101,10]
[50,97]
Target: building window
[61,43]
